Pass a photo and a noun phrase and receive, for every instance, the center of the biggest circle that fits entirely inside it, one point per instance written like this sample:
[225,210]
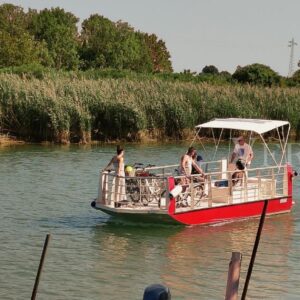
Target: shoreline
[7,141]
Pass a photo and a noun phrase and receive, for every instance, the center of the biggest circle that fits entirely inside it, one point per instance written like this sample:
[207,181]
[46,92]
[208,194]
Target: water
[49,190]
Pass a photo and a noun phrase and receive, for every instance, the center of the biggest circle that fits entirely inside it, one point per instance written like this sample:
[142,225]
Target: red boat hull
[232,212]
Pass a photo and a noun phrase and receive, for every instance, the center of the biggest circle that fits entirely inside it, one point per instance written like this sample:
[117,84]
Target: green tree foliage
[291,81]
[159,53]
[256,74]
[50,38]
[12,18]
[296,77]
[210,70]
[58,30]
[115,45]
[131,49]
[97,37]
[17,46]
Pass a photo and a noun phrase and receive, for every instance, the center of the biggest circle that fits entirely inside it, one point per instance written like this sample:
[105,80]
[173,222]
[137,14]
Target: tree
[296,76]
[97,36]
[291,81]
[256,74]
[17,46]
[210,70]
[159,53]
[12,18]
[58,30]
[106,44]
[131,51]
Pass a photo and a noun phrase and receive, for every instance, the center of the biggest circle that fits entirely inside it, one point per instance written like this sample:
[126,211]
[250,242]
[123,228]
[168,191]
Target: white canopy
[256,125]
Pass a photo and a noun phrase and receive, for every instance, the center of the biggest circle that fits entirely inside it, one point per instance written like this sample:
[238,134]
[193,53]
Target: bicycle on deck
[144,188]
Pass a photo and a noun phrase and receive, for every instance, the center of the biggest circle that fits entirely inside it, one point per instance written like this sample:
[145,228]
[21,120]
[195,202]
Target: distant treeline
[109,81]
[50,38]
[68,109]
[37,42]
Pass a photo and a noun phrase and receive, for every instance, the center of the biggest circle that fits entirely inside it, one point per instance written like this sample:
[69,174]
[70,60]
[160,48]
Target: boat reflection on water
[192,261]
[128,257]
[198,258]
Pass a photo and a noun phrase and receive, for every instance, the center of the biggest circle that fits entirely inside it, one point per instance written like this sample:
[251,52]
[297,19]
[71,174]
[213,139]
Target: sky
[197,33]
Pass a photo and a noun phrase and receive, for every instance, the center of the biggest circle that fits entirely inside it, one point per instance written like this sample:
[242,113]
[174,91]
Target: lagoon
[48,189]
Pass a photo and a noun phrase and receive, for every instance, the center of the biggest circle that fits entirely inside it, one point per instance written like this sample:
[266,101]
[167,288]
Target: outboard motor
[157,292]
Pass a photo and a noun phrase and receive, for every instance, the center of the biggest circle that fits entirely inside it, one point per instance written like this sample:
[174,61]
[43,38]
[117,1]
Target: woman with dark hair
[117,162]
[118,188]
[239,173]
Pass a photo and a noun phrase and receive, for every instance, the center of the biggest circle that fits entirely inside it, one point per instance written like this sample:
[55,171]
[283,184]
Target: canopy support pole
[285,144]
[217,146]
[213,134]
[229,148]
[212,131]
[196,135]
[269,150]
[281,146]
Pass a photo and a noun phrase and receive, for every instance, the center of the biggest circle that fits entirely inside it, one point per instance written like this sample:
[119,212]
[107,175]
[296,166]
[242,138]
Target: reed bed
[64,109]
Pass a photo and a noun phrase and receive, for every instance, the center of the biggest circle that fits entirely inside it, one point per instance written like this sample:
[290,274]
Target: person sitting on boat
[187,163]
[198,160]
[238,175]
[242,151]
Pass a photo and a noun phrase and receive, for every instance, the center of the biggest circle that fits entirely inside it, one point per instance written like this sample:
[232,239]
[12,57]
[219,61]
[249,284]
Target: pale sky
[224,33]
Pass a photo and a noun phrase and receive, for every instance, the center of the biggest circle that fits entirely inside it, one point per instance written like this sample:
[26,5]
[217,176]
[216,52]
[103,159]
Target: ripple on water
[49,189]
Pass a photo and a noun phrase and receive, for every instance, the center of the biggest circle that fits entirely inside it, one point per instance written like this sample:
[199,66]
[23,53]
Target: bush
[210,70]
[257,74]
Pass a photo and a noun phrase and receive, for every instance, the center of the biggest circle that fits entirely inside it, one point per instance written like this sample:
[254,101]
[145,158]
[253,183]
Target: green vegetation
[64,109]
[50,38]
[109,81]
[256,74]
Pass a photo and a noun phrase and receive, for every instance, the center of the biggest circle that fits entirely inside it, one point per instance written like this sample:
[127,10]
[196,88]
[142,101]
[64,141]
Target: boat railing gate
[218,188]
[133,191]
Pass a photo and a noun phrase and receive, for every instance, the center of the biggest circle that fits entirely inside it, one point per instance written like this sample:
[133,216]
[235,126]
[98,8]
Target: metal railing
[133,191]
[224,188]
[149,188]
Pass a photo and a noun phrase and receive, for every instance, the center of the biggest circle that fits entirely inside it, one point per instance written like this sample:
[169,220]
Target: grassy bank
[63,109]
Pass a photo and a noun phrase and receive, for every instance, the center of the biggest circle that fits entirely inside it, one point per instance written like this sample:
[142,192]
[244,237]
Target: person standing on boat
[187,163]
[117,162]
[118,189]
[242,151]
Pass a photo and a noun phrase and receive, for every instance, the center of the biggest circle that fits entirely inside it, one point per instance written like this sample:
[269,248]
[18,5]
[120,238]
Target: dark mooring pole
[38,275]
[258,234]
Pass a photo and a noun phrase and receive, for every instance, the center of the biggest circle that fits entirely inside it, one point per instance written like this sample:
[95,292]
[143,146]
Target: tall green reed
[64,108]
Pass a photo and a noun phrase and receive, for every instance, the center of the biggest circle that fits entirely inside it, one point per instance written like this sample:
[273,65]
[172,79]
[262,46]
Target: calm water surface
[49,190]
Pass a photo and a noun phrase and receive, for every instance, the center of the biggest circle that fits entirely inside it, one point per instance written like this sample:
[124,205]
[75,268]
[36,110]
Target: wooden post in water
[38,275]
[258,234]
[233,276]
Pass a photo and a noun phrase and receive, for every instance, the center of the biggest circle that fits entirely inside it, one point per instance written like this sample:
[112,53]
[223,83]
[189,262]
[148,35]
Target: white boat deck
[151,193]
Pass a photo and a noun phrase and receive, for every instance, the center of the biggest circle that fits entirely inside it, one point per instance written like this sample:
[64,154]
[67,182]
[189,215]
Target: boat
[158,194]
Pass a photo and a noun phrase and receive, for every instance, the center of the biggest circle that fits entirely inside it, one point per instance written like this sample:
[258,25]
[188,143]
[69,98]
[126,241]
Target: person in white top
[242,151]
[187,162]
